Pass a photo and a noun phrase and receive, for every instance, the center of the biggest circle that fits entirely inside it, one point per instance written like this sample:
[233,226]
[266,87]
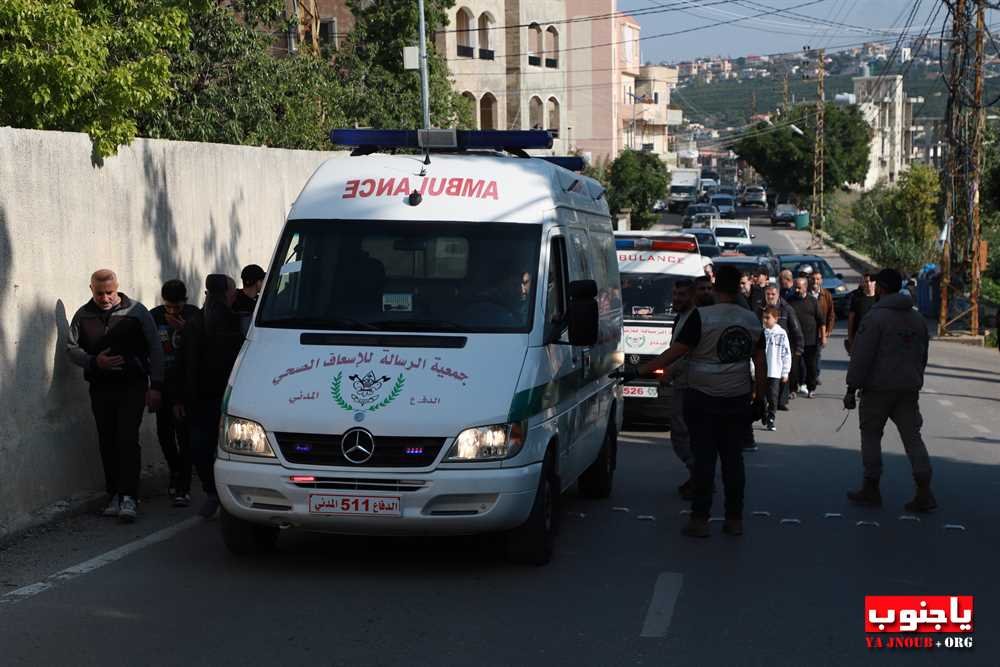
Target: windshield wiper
[327,323]
[418,325]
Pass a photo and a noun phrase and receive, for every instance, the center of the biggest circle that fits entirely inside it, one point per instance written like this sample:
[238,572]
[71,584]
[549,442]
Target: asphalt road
[624,589]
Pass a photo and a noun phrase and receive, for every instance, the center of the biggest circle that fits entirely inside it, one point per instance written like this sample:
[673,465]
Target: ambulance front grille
[317,449]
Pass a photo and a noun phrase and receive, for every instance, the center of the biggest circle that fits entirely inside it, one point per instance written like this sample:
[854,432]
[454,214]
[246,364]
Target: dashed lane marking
[960,415]
[661,607]
[945,402]
[980,428]
[96,563]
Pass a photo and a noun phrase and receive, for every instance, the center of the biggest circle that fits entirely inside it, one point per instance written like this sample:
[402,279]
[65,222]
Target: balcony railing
[535,61]
[466,51]
[486,54]
[552,63]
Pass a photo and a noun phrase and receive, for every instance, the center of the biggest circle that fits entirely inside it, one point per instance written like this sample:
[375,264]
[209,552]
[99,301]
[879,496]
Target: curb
[857,261]
[66,508]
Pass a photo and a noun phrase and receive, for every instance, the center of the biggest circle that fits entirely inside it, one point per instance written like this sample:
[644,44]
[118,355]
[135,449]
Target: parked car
[730,190]
[726,205]
[659,206]
[700,214]
[705,236]
[831,280]
[755,195]
[757,250]
[784,214]
[748,264]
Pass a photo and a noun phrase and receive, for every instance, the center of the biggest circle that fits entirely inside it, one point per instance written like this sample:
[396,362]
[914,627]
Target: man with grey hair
[115,340]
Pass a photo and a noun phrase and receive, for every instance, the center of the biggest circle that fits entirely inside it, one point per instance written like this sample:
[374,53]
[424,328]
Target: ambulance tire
[244,538]
[597,481]
[533,542]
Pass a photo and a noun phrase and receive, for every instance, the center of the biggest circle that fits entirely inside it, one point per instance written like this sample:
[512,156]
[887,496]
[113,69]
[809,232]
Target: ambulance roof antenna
[425,94]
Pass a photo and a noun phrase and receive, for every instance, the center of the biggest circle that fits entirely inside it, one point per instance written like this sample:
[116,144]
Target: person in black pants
[172,428]
[720,341]
[811,320]
[113,338]
[211,344]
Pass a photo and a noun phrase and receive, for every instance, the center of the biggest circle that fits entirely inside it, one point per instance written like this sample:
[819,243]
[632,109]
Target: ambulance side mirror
[583,316]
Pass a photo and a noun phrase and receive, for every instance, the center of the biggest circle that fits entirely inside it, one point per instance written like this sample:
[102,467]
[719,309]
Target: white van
[732,234]
[650,263]
[431,352]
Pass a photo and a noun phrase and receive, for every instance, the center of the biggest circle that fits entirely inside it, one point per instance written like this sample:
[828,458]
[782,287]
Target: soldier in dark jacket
[113,338]
[172,427]
[888,359]
[211,344]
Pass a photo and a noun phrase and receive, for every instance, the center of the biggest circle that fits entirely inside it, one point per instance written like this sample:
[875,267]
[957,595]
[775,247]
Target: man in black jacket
[114,340]
[811,320]
[211,344]
[789,321]
[171,424]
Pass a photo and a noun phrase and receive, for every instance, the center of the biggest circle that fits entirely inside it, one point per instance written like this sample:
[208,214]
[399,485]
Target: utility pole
[952,178]
[753,104]
[425,93]
[784,101]
[819,153]
[976,160]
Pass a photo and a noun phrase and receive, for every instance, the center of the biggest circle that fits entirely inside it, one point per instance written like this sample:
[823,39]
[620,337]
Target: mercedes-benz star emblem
[358,446]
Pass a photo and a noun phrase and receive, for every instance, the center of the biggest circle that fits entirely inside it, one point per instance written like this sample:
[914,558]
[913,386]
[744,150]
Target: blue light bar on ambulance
[677,245]
[444,139]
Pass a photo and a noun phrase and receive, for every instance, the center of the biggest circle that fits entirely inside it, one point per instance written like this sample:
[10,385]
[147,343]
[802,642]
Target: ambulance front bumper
[440,502]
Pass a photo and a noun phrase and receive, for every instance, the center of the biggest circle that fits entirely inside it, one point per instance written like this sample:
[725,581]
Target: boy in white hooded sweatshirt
[779,361]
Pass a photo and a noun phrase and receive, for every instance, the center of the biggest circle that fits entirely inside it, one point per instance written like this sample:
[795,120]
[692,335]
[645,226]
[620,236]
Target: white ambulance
[650,263]
[432,349]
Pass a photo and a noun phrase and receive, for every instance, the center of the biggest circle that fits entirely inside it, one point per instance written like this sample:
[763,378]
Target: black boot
[686,490]
[924,501]
[867,495]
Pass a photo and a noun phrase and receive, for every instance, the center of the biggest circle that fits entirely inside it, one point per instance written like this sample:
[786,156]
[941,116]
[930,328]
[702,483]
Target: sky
[872,20]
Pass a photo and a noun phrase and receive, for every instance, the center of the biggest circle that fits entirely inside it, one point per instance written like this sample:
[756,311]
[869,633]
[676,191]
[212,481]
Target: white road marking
[945,402]
[661,608]
[981,429]
[960,415]
[791,243]
[96,562]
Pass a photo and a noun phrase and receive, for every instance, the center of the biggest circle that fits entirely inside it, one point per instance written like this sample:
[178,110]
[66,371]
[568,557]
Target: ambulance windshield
[403,276]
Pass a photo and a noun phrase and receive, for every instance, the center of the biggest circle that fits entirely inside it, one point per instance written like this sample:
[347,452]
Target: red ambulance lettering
[454,187]
[403,188]
[385,187]
[491,191]
[367,183]
[351,189]
[473,188]
[437,186]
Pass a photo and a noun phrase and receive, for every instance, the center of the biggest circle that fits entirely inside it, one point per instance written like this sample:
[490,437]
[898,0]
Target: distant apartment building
[604,65]
[653,114]
[514,77]
[889,113]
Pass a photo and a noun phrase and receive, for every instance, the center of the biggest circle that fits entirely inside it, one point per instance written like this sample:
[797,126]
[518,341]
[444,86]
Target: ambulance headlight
[488,443]
[244,437]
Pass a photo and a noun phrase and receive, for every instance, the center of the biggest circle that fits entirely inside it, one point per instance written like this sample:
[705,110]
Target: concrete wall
[155,211]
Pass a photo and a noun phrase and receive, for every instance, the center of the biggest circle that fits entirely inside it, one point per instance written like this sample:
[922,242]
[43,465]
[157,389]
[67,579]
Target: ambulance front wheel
[598,480]
[244,538]
[533,542]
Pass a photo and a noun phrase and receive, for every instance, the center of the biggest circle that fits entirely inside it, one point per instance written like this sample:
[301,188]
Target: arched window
[471,100]
[488,112]
[536,112]
[553,117]
[465,24]
[552,47]
[535,45]
[486,24]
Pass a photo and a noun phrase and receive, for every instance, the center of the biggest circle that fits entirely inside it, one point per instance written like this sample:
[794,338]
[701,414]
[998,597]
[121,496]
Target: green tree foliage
[376,90]
[90,66]
[785,158]
[635,181]
[230,88]
[898,226]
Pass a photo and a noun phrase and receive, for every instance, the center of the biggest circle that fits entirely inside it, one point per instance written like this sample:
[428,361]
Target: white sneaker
[128,511]
[114,506]
[803,389]
[811,394]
